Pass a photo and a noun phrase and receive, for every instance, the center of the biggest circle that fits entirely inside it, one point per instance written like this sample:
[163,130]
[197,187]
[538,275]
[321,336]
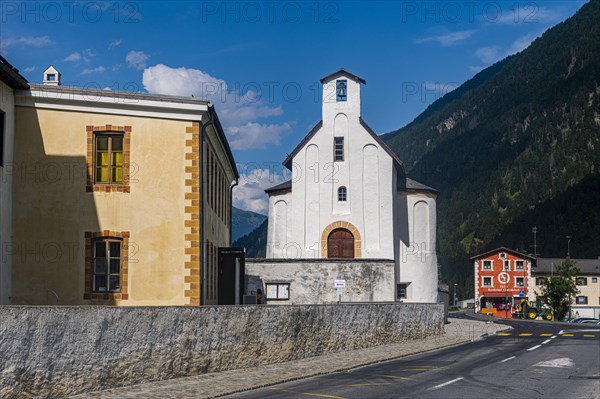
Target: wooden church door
[340,244]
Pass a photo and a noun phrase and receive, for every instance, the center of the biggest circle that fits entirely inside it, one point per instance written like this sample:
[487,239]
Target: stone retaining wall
[58,351]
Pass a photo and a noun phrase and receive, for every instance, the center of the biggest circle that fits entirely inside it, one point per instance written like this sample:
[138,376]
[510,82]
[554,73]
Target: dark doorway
[231,269]
[340,244]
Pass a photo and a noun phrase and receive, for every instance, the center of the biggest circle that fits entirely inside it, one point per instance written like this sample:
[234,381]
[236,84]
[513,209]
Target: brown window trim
[106,298]
[91,185]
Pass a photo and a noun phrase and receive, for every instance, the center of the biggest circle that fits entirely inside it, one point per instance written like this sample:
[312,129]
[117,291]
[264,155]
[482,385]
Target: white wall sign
[340,283]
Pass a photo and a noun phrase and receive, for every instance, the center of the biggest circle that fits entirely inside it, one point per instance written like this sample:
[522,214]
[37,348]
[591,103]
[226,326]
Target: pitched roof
[548,265]
[94,93]
[288,160]
[503,249]
[398,162]
[11,76]
[383,145]
[280,188]
[342,71]
[221,133]
[413,185]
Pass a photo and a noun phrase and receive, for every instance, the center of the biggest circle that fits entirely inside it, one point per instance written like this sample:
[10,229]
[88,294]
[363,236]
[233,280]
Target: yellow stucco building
[117,198]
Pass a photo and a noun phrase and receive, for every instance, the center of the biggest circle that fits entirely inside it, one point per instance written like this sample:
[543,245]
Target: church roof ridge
[343,71]
[288,160]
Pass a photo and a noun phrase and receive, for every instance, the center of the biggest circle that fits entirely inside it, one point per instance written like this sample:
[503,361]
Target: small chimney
[51,77]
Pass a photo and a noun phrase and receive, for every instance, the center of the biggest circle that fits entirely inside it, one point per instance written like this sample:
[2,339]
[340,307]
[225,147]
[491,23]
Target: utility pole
[535,230]
[569,257]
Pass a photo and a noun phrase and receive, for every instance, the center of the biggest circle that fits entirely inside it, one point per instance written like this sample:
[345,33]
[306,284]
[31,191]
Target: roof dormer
[51,77]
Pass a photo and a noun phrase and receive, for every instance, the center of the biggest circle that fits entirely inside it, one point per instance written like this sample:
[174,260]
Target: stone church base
[313,281]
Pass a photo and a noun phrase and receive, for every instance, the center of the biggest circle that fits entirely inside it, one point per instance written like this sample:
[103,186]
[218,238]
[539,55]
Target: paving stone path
[213,385]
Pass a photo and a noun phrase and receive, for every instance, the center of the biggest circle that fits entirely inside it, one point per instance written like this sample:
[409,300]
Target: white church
[349,199]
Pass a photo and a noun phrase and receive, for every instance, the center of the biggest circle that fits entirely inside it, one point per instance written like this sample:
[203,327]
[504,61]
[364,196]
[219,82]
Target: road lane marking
[321,395]
[554,336]
[504,334]
[533,348]
[563,362]
[546,341]
[507,359]
[396,377]
[545,335]
[525,335]
[446,383]
[568,335]
[589,335]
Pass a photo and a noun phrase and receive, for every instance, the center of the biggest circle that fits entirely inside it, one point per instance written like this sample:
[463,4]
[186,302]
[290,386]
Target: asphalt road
[535,360]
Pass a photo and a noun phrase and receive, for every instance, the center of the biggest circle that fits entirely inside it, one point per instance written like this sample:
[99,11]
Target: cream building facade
[586,302]
[118,198]
[349,197]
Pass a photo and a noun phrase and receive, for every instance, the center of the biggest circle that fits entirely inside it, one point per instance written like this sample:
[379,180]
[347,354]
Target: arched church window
[342,194]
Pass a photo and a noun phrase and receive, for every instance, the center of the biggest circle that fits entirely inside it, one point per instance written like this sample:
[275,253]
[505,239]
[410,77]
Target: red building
[502,279]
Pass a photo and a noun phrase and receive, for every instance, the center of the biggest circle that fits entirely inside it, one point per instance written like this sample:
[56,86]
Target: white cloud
[256,135]
[250,195]
[99,69]
[73,57]
[136,59]
[491,54]
[446,39]
[115,43]
[39,41]
[238,113]
[29,69]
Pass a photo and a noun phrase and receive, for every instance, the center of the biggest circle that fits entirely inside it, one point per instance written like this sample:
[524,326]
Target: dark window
[506,265]
[2,129]
[106,265]
[487,281]
[519,265]
[581,280]
[487,265]
[342,194]
[582,300]
[339,148]
[594,279]
[109,158]
[341,90]
[520,282]
[401,291]
[51,77]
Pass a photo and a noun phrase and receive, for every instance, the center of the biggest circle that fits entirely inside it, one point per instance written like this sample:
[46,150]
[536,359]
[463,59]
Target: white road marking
[507,359]
[446,383]
[563,362]
[546,341]
[534,348]
[554,336]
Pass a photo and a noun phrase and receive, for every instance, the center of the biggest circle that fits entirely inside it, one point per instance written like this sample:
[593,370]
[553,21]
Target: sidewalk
[227,382]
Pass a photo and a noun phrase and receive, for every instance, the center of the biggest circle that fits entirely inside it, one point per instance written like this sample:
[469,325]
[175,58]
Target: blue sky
[260,62]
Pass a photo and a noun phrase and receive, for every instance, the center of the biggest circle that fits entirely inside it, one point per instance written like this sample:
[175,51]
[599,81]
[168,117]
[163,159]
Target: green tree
[559,289]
